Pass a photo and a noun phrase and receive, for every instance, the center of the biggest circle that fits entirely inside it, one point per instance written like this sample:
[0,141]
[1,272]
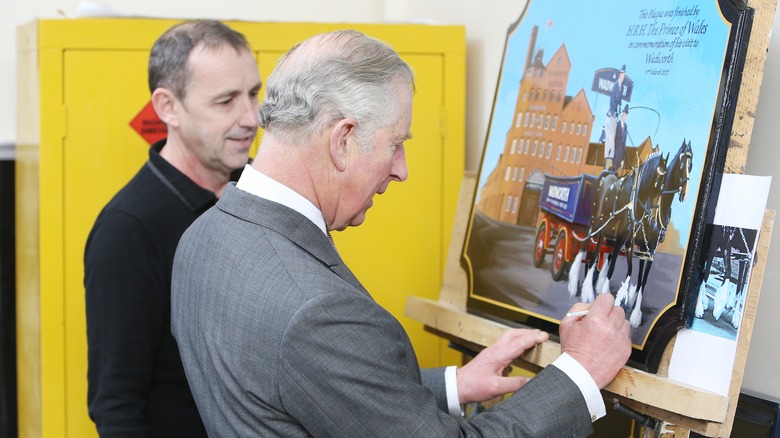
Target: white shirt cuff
[451,385]
[584,381]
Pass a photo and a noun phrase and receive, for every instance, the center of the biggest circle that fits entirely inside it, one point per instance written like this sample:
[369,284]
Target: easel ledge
[683,407]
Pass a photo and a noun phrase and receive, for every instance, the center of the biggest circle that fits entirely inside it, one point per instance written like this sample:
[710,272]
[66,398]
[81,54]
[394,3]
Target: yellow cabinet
[80,85]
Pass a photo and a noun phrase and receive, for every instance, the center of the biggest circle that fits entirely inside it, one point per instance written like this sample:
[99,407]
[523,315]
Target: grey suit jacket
[278,338]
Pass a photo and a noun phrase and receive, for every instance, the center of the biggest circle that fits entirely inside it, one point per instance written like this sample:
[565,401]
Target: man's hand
[483,377]
[600,341]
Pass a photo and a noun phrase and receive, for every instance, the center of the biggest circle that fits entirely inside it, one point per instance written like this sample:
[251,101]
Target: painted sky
[678,104]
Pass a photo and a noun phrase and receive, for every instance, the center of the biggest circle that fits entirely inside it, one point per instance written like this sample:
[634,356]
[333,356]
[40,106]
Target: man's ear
[164,103]
[342,136]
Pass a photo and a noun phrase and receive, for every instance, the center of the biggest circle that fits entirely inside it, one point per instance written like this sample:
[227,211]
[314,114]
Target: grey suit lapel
[289,223]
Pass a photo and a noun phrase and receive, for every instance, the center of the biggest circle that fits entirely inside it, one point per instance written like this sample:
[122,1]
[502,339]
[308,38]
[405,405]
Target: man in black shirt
[204,82]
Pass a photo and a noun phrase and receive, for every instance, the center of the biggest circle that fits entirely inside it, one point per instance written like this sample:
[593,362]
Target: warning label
[148,125]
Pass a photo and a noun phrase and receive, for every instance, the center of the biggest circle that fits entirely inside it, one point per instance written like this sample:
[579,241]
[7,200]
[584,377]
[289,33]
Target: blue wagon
[565,208]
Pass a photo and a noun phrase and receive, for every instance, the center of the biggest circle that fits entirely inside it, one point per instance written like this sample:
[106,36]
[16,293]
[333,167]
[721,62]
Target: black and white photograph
[725,272]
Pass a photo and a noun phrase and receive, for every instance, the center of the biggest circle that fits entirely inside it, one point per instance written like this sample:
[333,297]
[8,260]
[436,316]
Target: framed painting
[603,155]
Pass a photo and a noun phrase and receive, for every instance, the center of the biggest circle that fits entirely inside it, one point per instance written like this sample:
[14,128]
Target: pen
[584,312]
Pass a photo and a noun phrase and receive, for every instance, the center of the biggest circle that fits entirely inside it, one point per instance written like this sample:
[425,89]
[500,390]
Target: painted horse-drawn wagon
[589,217]
[565,208]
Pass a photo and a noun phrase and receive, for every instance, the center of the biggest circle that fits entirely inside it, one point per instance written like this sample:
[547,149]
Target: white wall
[486,24]
[761,374]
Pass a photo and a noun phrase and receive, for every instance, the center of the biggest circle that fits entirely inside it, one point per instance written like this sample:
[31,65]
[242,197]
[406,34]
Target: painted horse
[621,203]
[651,229]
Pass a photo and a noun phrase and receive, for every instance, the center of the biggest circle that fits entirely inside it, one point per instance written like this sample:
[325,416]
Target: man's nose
[399,172]
[249,116]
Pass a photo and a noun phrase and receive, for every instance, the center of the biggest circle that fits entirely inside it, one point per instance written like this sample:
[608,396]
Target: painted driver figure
[615,102]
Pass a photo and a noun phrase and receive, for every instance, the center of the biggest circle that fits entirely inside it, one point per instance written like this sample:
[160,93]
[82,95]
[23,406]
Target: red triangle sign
[148,125]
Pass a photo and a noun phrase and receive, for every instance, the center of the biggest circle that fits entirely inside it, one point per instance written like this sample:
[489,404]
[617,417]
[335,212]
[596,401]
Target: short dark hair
[168,60]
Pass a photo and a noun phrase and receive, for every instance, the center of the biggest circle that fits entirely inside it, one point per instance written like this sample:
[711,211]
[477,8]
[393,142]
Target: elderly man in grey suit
[278,337]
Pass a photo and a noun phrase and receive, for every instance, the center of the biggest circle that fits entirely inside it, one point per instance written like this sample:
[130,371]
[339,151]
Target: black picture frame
[546,188]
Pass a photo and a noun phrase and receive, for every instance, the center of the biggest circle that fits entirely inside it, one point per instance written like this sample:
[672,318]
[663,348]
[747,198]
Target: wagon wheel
[539,250]
[559,265]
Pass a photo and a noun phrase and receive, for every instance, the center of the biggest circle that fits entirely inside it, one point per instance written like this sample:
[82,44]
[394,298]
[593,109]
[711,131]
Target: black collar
[194,196]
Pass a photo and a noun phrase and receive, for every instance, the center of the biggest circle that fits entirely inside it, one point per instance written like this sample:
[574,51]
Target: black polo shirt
[137,385]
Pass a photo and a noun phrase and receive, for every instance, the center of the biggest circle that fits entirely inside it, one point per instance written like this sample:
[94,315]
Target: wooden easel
[683,407]
[678,408]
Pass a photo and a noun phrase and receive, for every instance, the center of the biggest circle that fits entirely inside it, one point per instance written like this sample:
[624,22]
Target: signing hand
[600,341]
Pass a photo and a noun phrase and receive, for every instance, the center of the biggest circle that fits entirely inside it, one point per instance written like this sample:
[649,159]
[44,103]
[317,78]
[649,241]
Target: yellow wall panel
[96,161]
[81,82]
[28,324]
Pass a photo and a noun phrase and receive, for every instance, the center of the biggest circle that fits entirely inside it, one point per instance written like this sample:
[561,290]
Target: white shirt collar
[254,182]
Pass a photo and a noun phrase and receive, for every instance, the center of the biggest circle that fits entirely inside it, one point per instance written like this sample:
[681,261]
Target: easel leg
[663,429]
